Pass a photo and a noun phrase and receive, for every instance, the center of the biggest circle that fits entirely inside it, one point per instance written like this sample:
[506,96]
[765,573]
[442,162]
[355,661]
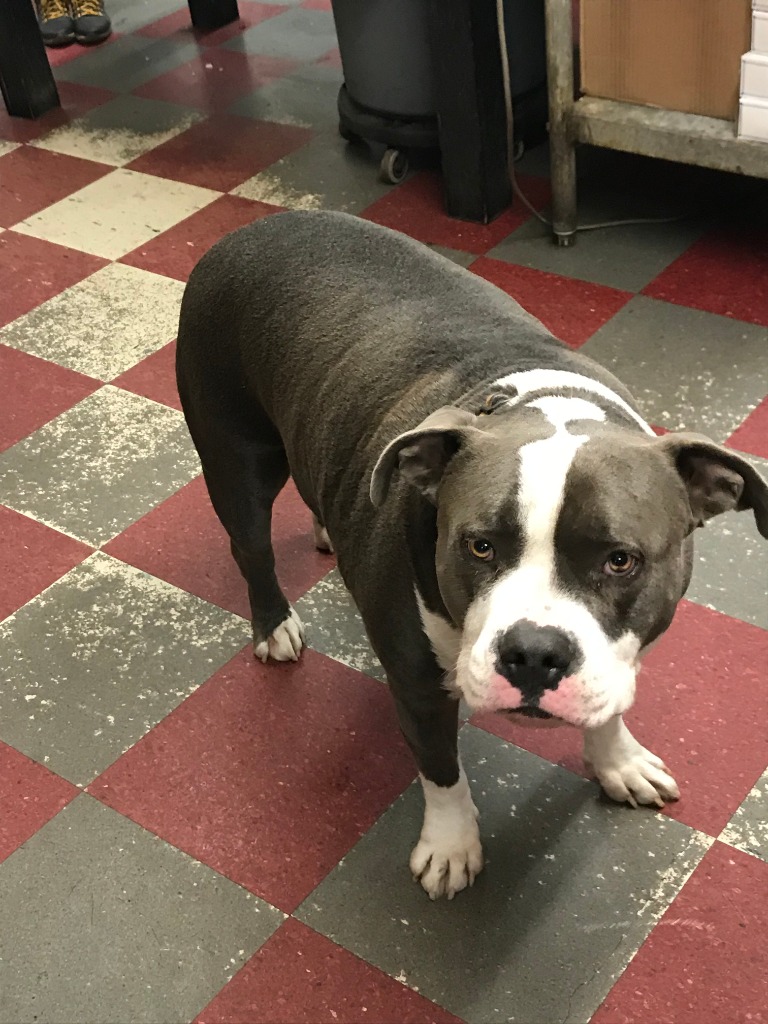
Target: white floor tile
[120,131]
[104,325]
[114,215]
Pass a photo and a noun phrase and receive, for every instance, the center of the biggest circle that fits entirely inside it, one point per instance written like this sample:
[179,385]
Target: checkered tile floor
[188,835]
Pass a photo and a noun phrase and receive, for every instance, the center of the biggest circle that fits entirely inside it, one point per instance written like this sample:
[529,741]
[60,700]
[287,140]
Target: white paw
[642,779]
[448,854]
[322,540]
[444,865]
[285,643]
[625,769]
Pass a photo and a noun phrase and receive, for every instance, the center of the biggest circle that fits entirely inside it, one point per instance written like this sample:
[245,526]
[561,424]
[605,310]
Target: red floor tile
[267,773]
[35,178]
[32,557]
[176,251]
[573,310]
[30,796]
[702,705]
[179,24]
[724,272]
[215,79]
[61,55]
[417,208]
[154,377]
[300,977]
[32,271]
[223,152]
[318,5]
[183,542]
[33,391]
[76,100]
[331,59]
[752,435]
[704,963]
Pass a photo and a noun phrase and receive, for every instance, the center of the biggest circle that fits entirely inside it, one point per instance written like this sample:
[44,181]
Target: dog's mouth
[528,712]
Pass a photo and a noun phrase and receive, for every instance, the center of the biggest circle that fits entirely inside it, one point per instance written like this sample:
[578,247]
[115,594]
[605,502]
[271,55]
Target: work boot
[56,24]
[92,25]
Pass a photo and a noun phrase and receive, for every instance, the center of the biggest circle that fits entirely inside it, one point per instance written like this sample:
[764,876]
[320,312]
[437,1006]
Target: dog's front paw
[625,769]
[446,865]
[448,854]
[642,779]
[285,643]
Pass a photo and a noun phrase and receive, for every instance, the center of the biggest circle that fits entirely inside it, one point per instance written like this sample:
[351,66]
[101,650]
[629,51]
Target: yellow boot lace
[82,8]
[50,9]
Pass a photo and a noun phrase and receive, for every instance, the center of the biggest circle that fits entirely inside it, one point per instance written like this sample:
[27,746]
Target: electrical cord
[510,118]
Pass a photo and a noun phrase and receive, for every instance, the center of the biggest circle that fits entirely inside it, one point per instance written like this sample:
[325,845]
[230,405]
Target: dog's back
[338,328]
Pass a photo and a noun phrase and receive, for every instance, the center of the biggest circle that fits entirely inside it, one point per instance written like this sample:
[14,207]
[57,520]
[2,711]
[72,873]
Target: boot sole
[54,44]
[91,40]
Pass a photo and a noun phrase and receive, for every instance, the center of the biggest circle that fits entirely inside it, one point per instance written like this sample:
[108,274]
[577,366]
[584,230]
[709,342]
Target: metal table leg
[470,106]
[210,14]
[26,80]
[561,99]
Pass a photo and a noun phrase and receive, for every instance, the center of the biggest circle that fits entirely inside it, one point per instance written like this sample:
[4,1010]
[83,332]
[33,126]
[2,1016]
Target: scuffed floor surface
[186,834]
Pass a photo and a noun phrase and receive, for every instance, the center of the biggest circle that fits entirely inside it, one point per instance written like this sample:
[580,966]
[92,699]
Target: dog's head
[564,545]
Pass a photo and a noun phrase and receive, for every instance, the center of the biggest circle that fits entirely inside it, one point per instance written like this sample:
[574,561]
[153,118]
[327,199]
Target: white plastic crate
[753,119]
[760,30]
[754,75]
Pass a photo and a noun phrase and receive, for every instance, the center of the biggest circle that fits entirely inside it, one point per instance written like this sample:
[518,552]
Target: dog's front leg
[625,769]
[448,854]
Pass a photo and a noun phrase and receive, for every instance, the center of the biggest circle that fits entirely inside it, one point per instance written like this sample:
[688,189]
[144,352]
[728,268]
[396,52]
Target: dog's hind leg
[245,468]
[322,540]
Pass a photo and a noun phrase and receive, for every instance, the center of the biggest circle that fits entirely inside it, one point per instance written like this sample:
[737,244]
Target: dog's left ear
[422,454]
[716,478]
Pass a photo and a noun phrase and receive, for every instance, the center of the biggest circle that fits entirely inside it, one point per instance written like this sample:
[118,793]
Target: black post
[466,58]
[26,80]
[210,14]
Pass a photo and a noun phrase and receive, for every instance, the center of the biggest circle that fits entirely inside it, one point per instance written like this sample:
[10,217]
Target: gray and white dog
[510,527]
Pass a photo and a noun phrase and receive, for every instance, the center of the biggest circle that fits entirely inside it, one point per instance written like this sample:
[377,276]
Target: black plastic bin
[388,95]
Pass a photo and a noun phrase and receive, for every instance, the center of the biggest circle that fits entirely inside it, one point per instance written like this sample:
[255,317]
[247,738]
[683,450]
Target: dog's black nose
[534,658]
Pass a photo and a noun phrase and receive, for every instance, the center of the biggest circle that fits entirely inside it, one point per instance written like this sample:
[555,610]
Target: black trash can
[388,92]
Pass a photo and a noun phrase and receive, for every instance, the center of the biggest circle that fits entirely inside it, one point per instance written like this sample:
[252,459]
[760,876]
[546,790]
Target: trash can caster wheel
[394,166]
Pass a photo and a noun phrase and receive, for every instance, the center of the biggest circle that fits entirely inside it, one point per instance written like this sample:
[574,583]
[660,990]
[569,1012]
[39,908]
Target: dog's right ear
[422,454]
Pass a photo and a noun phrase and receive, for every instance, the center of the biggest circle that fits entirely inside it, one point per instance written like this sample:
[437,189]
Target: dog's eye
[621,563]
[481,548]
